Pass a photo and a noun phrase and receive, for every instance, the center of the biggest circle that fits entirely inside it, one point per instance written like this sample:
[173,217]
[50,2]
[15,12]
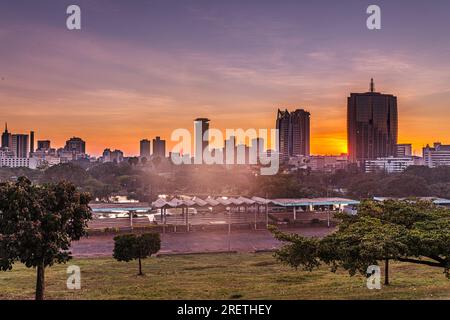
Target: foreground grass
[224,276]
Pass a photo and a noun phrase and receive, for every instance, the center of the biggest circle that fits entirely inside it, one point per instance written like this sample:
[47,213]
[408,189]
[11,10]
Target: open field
[220,276]
[187,242]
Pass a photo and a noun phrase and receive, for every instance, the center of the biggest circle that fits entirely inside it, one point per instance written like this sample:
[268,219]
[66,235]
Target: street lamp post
[229,231]
[328,220]
[131,219]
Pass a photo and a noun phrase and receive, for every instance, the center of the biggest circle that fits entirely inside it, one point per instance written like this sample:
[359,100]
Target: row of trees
[145,182]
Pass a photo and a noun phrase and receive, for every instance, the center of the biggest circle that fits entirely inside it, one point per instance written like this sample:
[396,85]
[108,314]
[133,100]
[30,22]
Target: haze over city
[141,71]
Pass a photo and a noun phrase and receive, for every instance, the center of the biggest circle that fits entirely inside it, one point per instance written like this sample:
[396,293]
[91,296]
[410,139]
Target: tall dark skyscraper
[144,148]
[294,133]
[31,142]
[6,138]
[372,125]
[159,147]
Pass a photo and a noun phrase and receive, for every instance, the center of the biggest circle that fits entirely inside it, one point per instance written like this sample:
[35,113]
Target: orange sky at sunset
[140,71]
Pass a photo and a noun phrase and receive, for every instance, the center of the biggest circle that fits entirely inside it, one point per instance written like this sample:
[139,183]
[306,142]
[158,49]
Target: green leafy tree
[129,247]
[407,231]
[38,224]
[66,171]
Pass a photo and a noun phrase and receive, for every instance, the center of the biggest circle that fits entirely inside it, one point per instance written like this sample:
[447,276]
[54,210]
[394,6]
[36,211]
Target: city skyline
[130,73]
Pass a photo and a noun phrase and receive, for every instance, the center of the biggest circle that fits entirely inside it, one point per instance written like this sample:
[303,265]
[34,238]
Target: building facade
[391,164]
[294,133]
[144,148]
[6,138]
[115,156]
[436,156]
[159,147]
[372,125]
[19,145]
[43,145]
[76,145]
[16,162]
[403,150]
[328,163]
[201,137]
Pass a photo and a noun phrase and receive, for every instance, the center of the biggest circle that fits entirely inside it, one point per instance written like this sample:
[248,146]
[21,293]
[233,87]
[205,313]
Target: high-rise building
[145,148]
[43,145]
[201,137]
[436,156]
[19,145]
[75,145]
[6,138]
[404,150]
[372,125]
[31,142]
[159,147]
[294,133]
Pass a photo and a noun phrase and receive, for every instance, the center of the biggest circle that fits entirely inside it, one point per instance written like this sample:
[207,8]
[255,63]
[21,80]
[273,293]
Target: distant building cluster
[19,150]
[372,137]
[152,149]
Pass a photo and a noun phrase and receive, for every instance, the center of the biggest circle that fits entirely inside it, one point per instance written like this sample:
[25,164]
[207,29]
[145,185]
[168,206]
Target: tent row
[246,202]
[209,202]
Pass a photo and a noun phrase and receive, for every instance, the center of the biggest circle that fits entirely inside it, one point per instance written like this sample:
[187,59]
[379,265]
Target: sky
[139,69]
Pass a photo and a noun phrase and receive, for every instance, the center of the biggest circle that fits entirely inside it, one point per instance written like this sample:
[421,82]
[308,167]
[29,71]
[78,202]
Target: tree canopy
[38,224]
[129,247]
[408,231]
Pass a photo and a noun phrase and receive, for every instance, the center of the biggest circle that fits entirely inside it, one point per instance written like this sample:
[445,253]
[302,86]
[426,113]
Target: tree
[407,231]
[156,161]
[38,224]
[66,171]
[133,161]
[129,247]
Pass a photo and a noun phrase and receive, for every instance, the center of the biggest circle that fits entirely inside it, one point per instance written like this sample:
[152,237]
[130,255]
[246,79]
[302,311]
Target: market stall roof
[246,200]
[212,202]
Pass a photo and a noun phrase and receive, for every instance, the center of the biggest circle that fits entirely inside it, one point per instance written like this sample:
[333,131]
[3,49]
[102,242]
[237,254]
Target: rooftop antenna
[372,85]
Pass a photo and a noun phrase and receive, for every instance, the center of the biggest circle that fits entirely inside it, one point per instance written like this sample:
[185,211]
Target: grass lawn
[220,276]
